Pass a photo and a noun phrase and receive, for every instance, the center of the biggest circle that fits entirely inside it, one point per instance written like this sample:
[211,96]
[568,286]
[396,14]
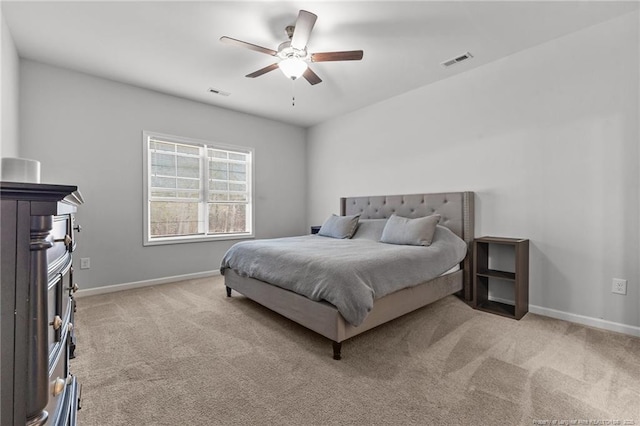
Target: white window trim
[147,241]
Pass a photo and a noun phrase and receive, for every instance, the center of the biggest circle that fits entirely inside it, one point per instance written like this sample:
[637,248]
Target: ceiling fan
[294,58]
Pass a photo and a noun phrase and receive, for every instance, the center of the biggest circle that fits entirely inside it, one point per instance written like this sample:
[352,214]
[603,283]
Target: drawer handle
[67,240]
[70,327]
[78,228]
[58,386]
[74,287]
[56,323]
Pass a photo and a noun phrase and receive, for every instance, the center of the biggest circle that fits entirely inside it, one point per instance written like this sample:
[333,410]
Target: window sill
[196,239]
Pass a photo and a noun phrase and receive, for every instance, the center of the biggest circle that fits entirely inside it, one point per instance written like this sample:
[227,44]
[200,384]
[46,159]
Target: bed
[456,210]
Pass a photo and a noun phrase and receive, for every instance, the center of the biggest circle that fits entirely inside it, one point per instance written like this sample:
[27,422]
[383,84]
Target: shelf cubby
[519,279]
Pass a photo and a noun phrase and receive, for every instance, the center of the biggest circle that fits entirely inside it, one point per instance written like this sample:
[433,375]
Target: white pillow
[339,226]
[413,232]
[369,229]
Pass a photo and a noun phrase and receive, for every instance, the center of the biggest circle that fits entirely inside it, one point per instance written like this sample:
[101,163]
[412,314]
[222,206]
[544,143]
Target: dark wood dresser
[37,304]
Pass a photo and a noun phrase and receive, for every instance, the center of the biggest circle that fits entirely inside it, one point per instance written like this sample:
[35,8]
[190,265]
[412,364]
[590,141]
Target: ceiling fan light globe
[293,68]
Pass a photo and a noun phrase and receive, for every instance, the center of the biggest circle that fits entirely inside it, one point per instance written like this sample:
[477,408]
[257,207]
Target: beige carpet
[185,354]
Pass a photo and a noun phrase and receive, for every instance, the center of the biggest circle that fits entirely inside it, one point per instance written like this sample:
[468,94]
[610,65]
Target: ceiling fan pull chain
[293,93]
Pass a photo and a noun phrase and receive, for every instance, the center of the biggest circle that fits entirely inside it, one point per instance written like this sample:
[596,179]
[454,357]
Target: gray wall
[548,140]
[9,77]
[87,131]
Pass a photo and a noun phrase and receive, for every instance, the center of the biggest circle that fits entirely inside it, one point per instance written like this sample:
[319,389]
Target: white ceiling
[174,47]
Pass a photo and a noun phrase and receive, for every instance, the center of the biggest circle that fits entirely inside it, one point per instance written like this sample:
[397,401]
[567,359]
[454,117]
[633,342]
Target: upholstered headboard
[455,208]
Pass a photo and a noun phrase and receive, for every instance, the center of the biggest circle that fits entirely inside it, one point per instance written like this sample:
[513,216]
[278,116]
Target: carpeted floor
[185,354]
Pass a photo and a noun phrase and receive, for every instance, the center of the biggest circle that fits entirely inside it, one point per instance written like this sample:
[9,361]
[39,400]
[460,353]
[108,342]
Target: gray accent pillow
[369,229]
[412,232]
[339,226]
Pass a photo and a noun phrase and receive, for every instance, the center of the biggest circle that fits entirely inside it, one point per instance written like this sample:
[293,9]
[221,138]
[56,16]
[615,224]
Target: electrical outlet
[619,286]
[85,263]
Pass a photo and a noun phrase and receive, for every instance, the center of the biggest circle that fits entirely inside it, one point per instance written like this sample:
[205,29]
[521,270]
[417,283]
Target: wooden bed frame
[457,213]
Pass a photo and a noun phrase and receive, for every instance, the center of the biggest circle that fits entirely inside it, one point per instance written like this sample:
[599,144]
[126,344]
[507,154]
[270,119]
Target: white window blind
[196,190]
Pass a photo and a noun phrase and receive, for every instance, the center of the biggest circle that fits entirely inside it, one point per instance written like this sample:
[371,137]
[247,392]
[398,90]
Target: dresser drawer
[63,388]
[61,238]
[59,308]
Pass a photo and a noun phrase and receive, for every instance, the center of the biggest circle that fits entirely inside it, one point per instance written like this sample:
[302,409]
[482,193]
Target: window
[196,190]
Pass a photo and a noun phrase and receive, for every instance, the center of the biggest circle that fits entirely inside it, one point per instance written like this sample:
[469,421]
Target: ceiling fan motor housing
[286,51]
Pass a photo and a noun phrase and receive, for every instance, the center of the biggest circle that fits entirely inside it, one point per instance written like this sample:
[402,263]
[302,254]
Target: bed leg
[228,291]
[337,346]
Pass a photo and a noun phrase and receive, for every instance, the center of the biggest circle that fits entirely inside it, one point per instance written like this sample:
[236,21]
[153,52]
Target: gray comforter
[349,274]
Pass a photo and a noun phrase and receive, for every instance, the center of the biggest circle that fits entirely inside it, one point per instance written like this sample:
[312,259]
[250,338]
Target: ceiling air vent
[218,92]
[457,59]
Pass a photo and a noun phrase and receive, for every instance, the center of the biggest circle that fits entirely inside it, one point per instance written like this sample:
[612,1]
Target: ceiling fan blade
[240,43]
[304,25]
[262,71]
[311,77]
[351,55]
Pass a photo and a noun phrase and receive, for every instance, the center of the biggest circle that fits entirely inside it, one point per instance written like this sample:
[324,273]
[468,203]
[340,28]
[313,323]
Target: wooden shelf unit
[519,279]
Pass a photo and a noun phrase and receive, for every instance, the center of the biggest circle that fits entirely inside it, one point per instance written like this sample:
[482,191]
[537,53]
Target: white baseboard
[584,320]
[128,286]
